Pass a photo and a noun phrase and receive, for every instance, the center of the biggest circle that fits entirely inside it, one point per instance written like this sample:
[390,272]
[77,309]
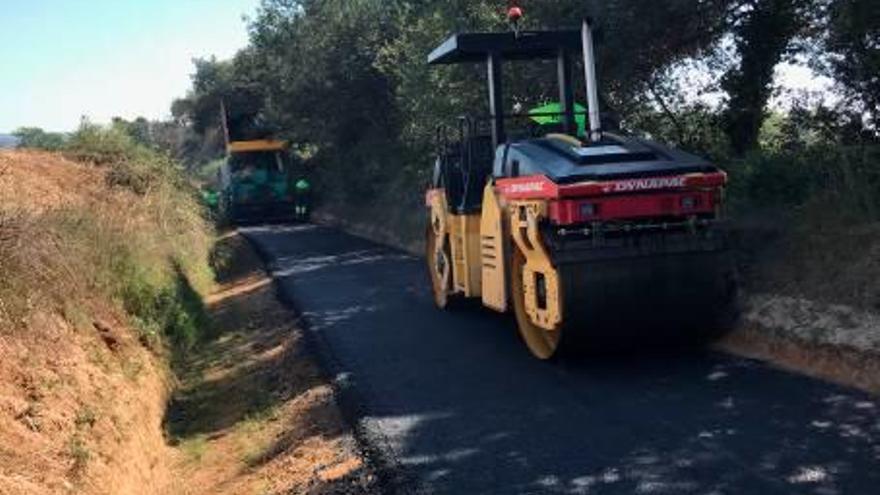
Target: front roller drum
[629,303]
[543,341]
[660,301]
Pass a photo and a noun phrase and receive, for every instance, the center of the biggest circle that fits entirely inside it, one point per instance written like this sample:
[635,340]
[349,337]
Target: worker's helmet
[514,16]
[515,13]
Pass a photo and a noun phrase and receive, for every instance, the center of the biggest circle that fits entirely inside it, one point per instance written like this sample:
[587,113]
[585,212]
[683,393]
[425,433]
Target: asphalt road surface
[454,400]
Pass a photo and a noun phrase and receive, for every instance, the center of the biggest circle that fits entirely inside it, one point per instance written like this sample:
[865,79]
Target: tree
[853,45]
[37,138]
[236,85]
[763,32]
[317,63]
[139,129]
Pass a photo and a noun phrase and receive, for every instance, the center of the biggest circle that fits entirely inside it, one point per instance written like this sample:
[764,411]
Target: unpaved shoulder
[255,414]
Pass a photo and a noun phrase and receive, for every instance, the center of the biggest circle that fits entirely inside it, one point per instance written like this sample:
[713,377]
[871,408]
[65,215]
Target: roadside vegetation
[104,260]
[141,241]
[140,354]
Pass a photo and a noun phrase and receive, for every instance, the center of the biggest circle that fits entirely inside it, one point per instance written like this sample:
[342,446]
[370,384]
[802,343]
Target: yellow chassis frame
[480,260]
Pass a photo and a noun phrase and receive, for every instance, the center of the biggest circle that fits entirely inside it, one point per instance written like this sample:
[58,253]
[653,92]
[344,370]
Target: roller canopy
[256,146]
[529,45]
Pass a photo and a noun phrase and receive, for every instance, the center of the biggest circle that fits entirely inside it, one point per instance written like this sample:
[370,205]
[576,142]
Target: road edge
[835,364]
[393,477]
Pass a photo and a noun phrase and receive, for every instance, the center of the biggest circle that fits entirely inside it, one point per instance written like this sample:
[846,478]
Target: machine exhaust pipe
[595,132]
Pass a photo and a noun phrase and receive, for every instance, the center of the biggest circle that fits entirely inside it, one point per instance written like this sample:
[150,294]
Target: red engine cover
[670,196]
[671,204]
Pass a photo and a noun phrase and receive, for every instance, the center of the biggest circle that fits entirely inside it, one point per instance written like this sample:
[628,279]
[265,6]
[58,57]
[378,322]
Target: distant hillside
[8,141]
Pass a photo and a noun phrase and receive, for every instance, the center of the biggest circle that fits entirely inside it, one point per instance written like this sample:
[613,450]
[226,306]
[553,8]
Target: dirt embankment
[88,401]
[80,410]
[81,399]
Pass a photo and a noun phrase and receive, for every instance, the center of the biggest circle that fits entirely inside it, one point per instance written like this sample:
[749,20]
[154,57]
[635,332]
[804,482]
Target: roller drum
[660,292]
[639,302]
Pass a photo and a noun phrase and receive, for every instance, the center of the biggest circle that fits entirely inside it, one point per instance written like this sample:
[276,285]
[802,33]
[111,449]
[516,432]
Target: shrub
[36,138]
[844,181]
[143,242]
[99,145]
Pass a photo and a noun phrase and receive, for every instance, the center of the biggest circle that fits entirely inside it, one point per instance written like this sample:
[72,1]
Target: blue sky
[61,59]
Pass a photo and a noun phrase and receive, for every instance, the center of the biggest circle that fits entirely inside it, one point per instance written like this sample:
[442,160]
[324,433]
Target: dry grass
[72,235]
[254,414]
[99,259]
[32,263]
[89,270]
[72,419]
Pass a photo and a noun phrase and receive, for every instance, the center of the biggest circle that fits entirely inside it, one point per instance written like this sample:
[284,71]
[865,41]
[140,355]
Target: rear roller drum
[439,268]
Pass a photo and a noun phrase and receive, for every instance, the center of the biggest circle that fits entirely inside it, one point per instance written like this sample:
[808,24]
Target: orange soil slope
[81,400]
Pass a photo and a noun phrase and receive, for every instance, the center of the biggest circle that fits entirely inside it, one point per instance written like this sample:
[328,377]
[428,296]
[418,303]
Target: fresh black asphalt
[454,401]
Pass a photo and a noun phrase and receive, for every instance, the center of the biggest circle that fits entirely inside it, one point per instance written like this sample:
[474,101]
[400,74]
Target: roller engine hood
[563,161]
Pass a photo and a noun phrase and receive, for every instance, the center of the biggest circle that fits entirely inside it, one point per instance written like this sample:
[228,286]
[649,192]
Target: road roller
[590,238]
